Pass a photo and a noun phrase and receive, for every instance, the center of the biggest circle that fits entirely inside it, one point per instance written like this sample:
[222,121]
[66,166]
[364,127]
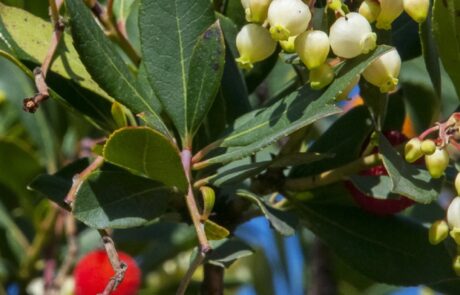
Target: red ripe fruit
[380,207]
[94,271]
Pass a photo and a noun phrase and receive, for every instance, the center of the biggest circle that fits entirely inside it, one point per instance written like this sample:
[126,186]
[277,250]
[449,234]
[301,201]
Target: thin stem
[186,157]
[110,10]
[188,275]
[54,11]
[200,154]
[213,283]
[331,176]
[118,266]
[113,31]
[78,179]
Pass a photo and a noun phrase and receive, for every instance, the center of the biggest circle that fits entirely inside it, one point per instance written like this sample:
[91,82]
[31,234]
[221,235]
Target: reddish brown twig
[31,104]
[118,266]
[78,179]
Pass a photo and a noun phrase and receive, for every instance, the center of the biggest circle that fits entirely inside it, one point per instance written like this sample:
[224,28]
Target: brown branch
[118,266]
[322,280]
[31,104]
[78,179]
[213,283]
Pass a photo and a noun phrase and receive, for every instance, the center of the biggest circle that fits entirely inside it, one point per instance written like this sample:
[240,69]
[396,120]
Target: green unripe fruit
[384,71]
[439,231]
[313,48]
[256,10]
[288,18]
[417,9]
[389,11]
[321,76]
[254,44]
[370,10]
[412,150]
[428,147]
[351,35]
[437,162]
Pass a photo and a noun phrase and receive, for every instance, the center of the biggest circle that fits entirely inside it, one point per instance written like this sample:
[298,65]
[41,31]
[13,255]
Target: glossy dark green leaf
[378,187]
[106,66]
[204,76]
[239,173]
[445,28]
[169,31]
[255,130]
[430,52]
[118,199]
[409,181]
[393,250]
[14,237]
[284,222]
[339,141]
[145,151]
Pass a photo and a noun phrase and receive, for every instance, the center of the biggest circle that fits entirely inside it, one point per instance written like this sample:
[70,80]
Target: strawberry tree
[160,127]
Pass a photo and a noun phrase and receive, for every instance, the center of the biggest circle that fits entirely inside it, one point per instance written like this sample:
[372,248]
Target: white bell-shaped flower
[254,44]
[351,35]
[256,10]
[389,11]
[453,213]
[384,71]
[288,18]
[417,9]
[312,48]
[370,9]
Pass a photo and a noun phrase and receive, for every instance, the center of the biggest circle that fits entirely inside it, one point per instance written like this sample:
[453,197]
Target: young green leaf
[145,151]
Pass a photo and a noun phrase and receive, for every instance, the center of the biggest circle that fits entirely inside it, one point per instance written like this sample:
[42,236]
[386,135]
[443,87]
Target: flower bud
[288,18]
[351,35]
[289,44]
[389,11]
[438,232]
[455,234]
[453,213]
[417,9]
[428,147]
[437,162]
[384,71]
[457,184]
[313,48]
[370,9]
[412,150]
[334,4]
[321,76]
[256,10]
[456,265]
[254,44]
[345,92]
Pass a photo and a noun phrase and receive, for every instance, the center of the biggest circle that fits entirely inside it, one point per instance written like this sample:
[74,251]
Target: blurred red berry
[380,206]
[94,271]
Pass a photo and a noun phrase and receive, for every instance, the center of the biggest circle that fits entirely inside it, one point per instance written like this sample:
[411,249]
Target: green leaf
[261,127]
[239,173]
[106,66]
[14,237]
[169,30]
[118,199]
[409,181]
[393,250]
[430,52]
[215,231]
[284,222]
[344,140]
[445,29]
[144,151]
[227,251]
[205,73]
[379,187]
[26,37]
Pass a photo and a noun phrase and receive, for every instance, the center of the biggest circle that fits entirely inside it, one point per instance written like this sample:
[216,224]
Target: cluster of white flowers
[287,22]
